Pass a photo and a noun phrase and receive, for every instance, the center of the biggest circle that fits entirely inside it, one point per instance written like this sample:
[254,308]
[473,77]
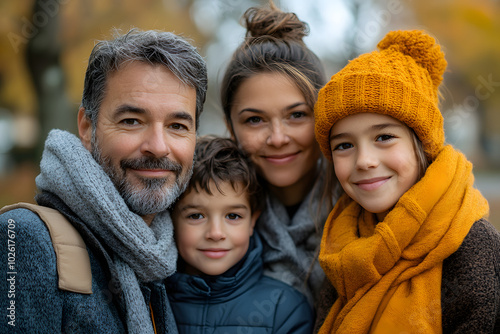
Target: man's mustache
[151,163]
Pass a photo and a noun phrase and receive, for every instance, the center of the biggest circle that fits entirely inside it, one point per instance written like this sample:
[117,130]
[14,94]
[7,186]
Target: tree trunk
[43,54]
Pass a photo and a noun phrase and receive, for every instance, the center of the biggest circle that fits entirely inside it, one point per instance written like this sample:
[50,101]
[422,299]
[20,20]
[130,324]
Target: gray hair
[154,47]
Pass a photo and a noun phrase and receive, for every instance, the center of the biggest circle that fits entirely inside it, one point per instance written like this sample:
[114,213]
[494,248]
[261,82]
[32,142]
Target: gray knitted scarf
[291,245]
[141,254]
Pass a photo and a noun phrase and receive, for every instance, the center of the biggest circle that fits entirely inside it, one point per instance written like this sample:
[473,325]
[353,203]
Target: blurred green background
[45,44]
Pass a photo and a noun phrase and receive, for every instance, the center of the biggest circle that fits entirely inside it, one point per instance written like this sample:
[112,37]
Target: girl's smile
[371,184]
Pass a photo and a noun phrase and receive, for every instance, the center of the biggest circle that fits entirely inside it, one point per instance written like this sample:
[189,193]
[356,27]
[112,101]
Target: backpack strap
[73,263]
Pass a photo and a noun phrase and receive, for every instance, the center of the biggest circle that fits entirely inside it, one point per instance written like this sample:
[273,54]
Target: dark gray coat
[40,306]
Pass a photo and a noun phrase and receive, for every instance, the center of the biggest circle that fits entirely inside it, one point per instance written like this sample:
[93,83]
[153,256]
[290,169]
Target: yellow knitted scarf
[388,274]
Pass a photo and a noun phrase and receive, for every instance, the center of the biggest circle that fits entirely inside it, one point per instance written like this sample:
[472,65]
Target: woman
[268,94]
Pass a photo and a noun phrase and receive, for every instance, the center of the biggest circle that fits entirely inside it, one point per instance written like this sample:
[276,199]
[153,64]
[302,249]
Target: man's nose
[155,142]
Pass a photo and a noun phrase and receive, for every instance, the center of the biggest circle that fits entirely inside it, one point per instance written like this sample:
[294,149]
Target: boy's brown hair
[220,160]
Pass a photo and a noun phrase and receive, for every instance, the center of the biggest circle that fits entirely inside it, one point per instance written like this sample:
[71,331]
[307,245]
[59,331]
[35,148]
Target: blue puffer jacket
[246,302]
[36,303]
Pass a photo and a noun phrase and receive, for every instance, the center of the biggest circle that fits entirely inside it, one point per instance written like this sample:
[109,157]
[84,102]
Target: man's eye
[178,126]
[130,121]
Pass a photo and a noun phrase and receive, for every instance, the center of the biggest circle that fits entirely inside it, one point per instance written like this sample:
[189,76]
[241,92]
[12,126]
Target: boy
[219,285]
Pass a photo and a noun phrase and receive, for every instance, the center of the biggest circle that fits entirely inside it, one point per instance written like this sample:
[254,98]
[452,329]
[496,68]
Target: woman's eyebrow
[258,111]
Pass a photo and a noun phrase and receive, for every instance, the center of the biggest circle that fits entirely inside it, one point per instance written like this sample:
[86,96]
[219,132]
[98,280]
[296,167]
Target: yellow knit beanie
[400,80]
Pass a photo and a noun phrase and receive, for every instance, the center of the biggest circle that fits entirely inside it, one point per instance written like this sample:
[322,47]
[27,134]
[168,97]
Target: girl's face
[374,160]
[272,122]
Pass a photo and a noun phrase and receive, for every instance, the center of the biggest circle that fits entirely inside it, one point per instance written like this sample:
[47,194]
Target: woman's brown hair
[273,43]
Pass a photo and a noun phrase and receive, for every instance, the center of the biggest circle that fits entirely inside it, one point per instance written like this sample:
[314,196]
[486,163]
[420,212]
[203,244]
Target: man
[142,97]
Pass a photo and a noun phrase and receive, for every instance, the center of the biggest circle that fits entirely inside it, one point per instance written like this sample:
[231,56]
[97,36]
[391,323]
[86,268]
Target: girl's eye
[233,216]
[195,216]
[253,120]
[384,137]
[343,146]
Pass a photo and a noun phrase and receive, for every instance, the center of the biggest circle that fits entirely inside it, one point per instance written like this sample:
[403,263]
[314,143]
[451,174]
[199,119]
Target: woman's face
[272,122]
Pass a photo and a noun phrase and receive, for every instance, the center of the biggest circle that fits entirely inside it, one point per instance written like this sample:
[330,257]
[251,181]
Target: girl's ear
[84,128]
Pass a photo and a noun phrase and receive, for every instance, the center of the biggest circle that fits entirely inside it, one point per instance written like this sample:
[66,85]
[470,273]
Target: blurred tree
[48,42]
[470,29]
[44,51]
[85,22]
[43,55]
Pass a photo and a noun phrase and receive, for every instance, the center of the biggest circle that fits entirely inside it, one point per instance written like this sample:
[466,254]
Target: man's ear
[84,128]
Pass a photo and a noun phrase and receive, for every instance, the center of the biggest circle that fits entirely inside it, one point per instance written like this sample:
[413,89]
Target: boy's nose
[216,231]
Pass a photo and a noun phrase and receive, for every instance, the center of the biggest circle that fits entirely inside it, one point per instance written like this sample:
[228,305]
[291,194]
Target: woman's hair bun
[260,22]
[419,46]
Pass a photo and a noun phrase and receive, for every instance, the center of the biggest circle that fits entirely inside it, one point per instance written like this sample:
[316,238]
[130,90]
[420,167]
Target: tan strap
[73,263]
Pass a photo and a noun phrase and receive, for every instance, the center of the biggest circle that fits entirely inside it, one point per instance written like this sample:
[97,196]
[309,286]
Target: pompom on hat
[400,80]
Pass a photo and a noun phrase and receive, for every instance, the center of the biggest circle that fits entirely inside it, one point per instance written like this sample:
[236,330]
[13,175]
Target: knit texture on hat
[400,80]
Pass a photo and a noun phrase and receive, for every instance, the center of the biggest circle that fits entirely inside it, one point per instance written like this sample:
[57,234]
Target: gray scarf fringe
[141,253]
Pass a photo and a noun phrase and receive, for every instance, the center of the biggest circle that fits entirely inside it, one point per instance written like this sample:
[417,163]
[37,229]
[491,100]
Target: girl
[268,94]
[407,247]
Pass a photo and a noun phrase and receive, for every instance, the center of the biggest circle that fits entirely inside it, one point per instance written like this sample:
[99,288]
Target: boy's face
[213,231]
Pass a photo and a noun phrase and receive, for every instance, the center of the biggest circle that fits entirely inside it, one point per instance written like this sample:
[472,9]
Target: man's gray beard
[149,199]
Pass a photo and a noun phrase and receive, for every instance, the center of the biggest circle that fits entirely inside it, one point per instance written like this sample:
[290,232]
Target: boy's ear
[255,216]
[84,128]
